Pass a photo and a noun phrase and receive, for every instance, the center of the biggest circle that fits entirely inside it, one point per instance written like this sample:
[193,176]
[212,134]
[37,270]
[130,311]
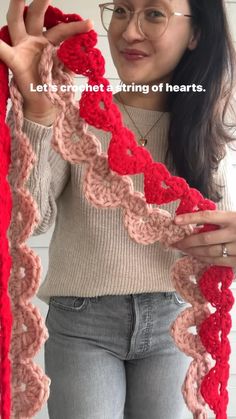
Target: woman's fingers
[213,254]
[208,246]
[15,21]
[229,261]
[206,239]
[35,17]
[214,251]
[207,217]
[59,33]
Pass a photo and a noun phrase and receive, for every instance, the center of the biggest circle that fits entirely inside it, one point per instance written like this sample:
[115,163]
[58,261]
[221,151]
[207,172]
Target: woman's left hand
[215,247]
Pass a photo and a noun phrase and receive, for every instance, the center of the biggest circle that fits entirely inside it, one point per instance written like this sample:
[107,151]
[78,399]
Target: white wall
[40,244]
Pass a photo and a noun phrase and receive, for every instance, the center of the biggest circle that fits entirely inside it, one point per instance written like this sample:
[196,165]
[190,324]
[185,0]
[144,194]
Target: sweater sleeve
[225,177]
[49,175]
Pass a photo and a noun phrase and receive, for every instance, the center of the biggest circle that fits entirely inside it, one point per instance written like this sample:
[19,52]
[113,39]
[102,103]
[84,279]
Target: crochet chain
[204,383]
[5,259]
[24,386]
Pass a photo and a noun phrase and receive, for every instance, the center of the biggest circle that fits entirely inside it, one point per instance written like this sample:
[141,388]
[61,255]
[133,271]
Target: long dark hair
[199,130]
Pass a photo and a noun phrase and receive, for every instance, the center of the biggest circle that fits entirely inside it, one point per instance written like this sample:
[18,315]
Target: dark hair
[199,130]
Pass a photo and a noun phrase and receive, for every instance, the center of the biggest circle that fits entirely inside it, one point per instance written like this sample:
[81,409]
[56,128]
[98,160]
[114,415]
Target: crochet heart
[147,229]
[74,138]
[214,379]
[24,221]
[103,187]
[187,319]
[25,343]
[160,187]
[126,157]
[192,395]
[22,160]
[215,323]
[32,388]
[98,109]
[218,298]
[181,272]
[193,201]
[54,16]
[83,58]
[27,269]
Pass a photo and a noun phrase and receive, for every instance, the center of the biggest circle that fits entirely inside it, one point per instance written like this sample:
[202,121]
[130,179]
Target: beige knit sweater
[91,253]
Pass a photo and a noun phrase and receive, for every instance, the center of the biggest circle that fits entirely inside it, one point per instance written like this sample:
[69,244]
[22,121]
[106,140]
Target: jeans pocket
[46,318]
[75,304]
[178,300]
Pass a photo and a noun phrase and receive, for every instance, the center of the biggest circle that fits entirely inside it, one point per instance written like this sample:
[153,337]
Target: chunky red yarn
[125,157]
[5,259]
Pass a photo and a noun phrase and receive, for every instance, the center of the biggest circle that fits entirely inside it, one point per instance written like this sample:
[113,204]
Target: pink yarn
[30,386]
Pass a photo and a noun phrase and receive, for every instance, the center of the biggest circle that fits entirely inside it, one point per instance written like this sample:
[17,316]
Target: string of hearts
[106,184]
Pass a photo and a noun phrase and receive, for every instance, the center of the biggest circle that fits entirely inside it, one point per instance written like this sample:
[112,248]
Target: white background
[90,9]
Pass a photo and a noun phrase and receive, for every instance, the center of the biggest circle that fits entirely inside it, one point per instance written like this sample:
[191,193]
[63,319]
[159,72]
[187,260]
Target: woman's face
[163,54]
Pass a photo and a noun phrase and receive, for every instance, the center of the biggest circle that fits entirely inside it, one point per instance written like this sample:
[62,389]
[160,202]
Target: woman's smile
[132,57]
[133,54]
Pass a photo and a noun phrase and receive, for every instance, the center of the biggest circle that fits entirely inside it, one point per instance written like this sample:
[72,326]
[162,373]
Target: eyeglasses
[152,21]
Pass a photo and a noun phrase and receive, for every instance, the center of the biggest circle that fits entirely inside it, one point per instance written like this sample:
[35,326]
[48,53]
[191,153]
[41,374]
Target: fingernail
[89,20]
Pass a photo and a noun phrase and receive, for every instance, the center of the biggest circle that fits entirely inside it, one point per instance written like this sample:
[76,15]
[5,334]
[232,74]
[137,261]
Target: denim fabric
[112,357]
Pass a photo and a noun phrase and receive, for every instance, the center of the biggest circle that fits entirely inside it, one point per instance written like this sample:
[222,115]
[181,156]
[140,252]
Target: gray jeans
[112,357]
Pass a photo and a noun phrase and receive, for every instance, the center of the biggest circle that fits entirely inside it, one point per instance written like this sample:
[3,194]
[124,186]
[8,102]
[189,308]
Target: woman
[111,301]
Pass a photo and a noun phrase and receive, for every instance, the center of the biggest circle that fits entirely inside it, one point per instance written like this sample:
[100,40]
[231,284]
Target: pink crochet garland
[25,390]
[106,185]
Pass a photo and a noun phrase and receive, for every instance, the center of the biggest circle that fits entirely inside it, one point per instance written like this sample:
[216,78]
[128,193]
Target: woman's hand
[28,41]
[209,247]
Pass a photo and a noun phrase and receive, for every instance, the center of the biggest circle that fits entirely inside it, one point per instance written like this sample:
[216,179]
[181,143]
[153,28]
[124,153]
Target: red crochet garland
[5,258]
[125,157]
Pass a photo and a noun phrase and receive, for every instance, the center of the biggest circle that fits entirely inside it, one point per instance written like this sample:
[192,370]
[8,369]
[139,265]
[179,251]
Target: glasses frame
[133,12]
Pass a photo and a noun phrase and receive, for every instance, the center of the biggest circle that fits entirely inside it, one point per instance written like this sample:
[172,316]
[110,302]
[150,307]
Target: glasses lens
[115,14]
[153,22]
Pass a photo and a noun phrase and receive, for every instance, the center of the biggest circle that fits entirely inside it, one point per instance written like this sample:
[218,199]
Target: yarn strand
[5,257]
